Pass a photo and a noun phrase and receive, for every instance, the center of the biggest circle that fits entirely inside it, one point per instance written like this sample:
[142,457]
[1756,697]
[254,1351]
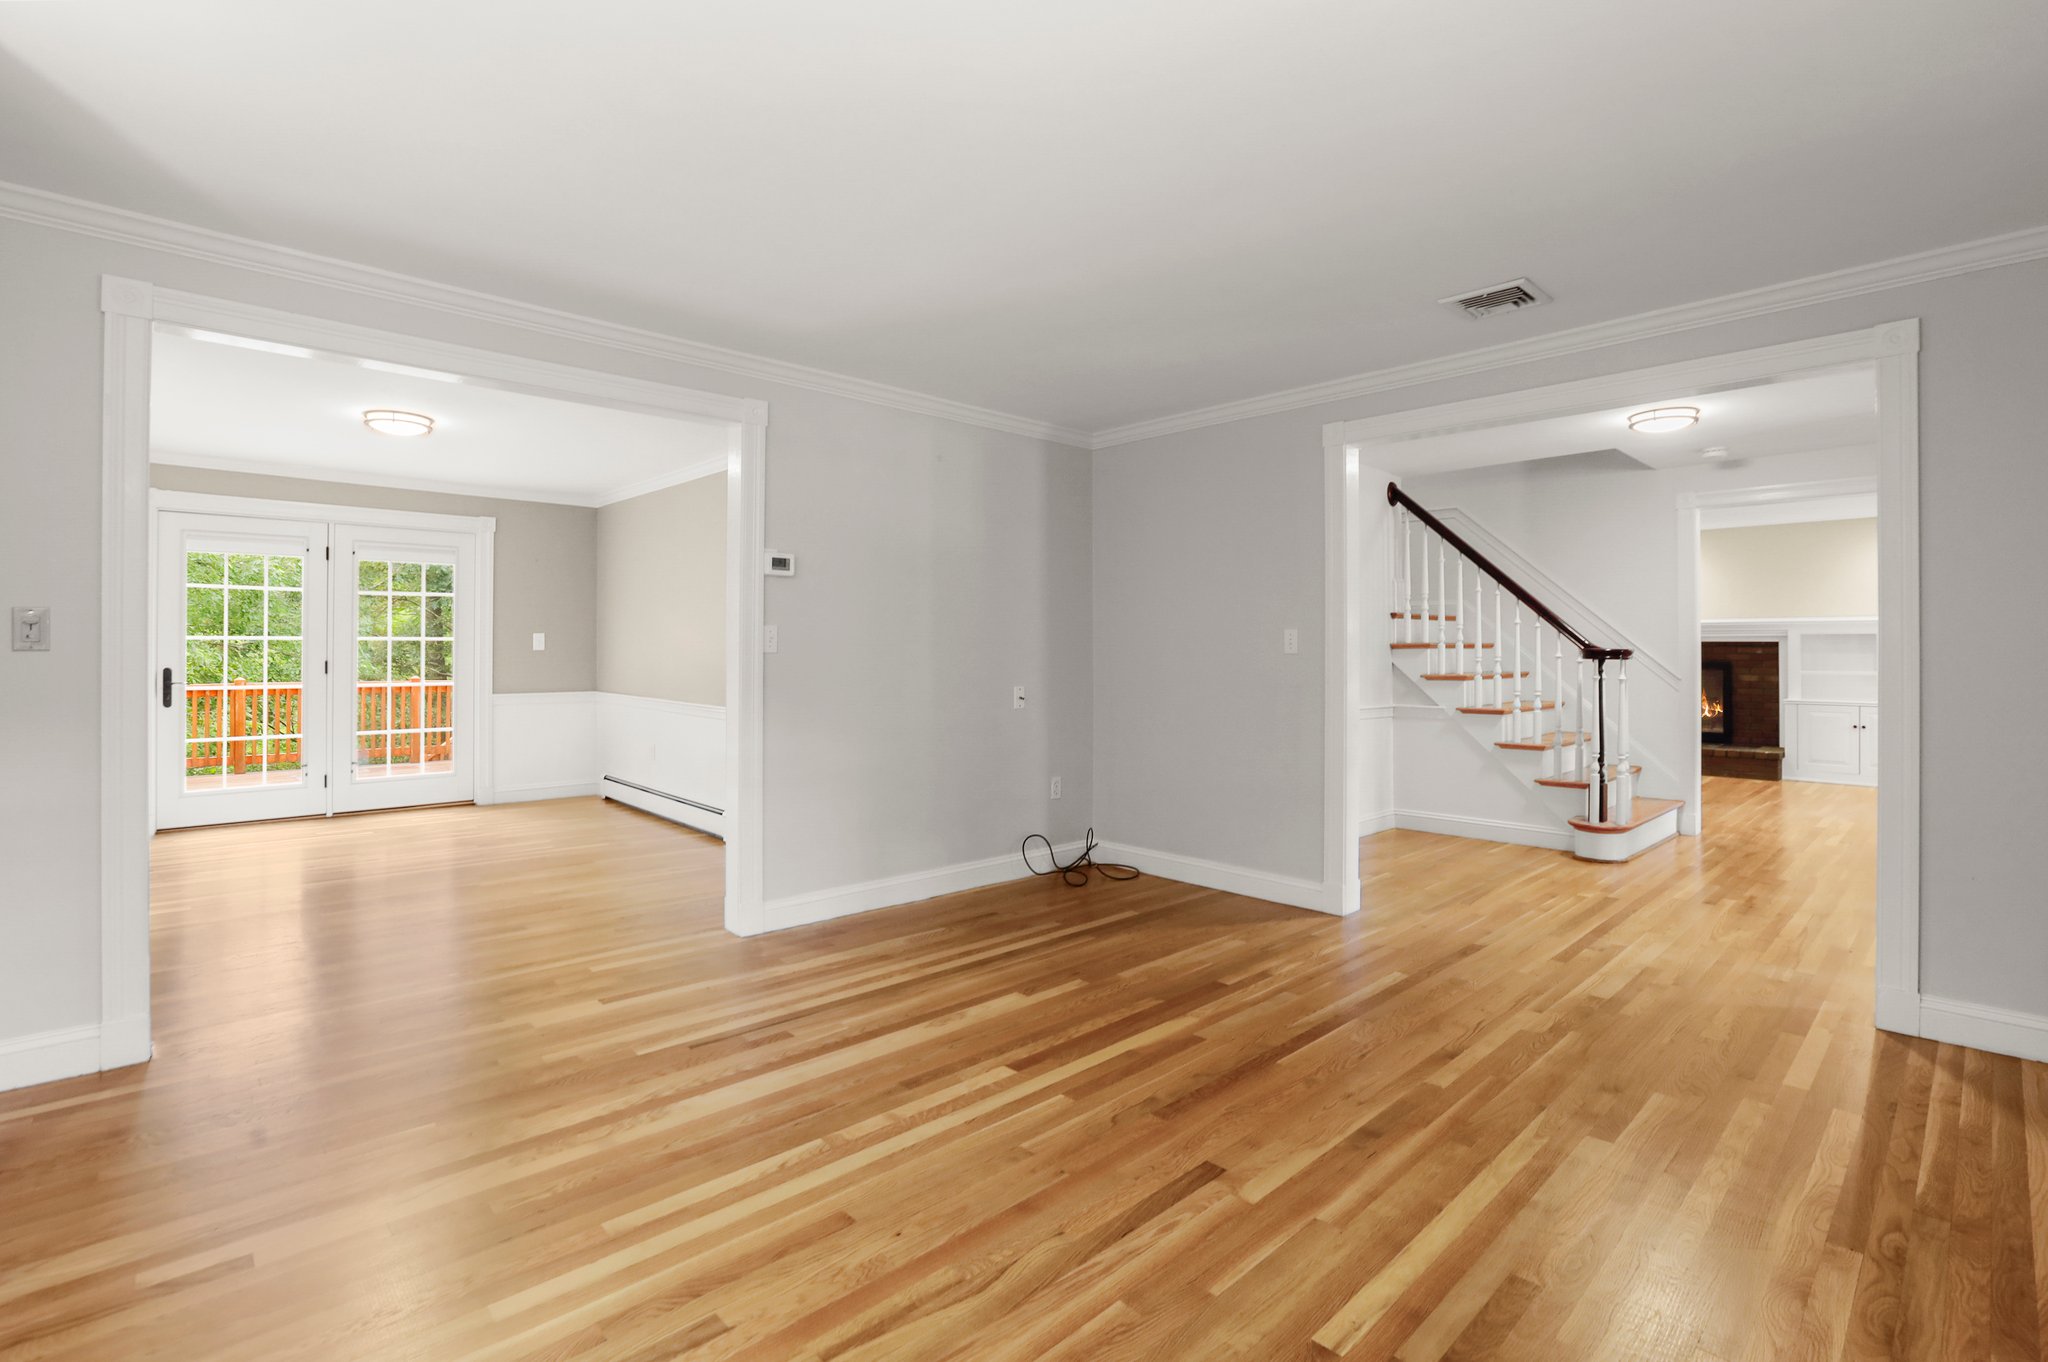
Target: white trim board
[1997,1029]
[2013,248]
[1893,350]
[42,208]
[46,1056]
[1231,879]
[893,891]
[1483,829]
[448,487]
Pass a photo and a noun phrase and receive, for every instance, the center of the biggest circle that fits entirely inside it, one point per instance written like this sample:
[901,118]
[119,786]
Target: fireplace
[1717,700]
[1739,708]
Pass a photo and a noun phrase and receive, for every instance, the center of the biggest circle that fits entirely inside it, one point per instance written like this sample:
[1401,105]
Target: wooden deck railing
[250,726]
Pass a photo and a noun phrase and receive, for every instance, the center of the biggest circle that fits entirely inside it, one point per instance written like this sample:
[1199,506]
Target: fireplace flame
[1709,709]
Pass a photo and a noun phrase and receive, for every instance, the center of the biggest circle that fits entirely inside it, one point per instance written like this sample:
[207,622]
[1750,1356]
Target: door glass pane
[405,668]
[244,710]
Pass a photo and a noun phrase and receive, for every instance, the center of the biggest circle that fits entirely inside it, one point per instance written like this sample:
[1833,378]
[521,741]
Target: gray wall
[661,594]
[546,580]
[942,565]
[1208,539]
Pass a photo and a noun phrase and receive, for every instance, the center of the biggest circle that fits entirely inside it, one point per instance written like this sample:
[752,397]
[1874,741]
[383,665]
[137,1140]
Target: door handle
[167,688]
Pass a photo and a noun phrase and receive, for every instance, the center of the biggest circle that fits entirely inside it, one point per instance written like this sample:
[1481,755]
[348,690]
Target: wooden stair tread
[1450,676]
[1398,615]
[1546,742]
[1526,707]
[1640,813]
[1570,783]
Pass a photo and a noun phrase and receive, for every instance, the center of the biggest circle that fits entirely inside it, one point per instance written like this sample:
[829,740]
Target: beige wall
[661,594]
[1818,570]
[546,557]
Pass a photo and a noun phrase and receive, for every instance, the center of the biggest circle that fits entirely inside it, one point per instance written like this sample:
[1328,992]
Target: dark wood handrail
[1586,647]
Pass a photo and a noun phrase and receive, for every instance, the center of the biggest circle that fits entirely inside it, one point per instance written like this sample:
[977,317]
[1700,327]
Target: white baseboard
[46,1056]
[1231,879]
[2002,1031]
[1898,1009]
[526,793]
[822,905]
[1378,822]
[1485,829]
[664,806]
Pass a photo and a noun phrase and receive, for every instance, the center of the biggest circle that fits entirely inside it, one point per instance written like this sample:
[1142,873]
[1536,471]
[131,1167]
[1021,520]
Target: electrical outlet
[1017,698]
[768,638]
[1055,787]
[1290,640]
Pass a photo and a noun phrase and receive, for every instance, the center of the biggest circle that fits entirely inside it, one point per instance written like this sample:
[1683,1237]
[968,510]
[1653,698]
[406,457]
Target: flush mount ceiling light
[401,424]
[1714,452]
[1659,420]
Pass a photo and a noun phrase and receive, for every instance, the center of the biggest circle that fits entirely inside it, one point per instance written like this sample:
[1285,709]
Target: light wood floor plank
[494,1085]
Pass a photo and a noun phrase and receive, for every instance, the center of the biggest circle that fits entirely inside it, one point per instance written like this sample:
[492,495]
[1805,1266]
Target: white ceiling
[217,405]
[1816,411]
[1083,212]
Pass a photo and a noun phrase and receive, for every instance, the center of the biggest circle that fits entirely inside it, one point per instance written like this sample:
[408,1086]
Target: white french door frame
[1893,350]
[132,310]
[477,598]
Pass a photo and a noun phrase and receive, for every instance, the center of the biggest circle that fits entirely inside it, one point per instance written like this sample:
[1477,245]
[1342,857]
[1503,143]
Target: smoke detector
[1512,296]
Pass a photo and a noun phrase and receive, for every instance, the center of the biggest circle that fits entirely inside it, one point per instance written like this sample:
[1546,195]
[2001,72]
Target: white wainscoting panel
[669,752]
[545,745]
[666,756]
[1374,778]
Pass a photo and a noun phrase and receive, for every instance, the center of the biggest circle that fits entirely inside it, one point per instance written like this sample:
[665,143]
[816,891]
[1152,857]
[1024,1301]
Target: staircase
[1548,703]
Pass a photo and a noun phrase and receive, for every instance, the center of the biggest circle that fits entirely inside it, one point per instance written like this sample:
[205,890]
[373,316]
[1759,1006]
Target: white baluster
[1407,579]
[1515,712]
[1458,657]
[1557,688]
[1500,650]
[1536,697]
[1442,593]
[1585,758]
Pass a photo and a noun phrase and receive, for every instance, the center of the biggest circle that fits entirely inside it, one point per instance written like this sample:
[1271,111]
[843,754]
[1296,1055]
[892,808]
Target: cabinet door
[1867,716]
[1829,740]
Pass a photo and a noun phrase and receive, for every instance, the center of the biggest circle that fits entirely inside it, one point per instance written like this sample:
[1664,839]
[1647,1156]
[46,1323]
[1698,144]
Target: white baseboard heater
[662,804]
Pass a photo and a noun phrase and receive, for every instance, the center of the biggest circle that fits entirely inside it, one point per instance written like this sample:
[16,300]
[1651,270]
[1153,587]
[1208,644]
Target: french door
[310,667]
[404,726]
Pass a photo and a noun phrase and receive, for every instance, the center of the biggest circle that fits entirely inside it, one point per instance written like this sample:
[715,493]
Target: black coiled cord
[1075,872]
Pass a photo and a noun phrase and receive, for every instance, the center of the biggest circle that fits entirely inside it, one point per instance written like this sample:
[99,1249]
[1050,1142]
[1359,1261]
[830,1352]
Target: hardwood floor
[494,1084]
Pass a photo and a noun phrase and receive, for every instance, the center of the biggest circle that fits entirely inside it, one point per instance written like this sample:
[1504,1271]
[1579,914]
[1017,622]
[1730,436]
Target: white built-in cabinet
[1828,683]
[1831,742]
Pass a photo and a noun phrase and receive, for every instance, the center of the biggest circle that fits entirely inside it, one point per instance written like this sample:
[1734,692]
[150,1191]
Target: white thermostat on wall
[782,565]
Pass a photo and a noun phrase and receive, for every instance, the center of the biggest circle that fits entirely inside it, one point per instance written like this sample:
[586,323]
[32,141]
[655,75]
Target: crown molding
[221,463]
[1989,253]
[703,468]
[44,209]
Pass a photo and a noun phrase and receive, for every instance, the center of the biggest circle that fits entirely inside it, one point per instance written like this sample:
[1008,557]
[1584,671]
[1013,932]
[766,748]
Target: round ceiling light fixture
[1660,420]
[1714,452]
[398,424]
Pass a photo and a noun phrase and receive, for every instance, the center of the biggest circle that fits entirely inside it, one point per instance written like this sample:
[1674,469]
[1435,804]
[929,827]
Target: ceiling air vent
[1508,297]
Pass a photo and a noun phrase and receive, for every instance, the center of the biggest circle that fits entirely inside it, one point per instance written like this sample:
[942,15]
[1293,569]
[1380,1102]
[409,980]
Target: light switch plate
[540,643]
[1290,640]
[31,629]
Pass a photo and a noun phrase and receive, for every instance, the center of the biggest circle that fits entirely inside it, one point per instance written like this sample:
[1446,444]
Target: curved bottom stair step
[1651,822]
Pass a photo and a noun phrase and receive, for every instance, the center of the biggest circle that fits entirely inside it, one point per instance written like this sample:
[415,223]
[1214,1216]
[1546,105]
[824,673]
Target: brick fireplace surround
[1753,750]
